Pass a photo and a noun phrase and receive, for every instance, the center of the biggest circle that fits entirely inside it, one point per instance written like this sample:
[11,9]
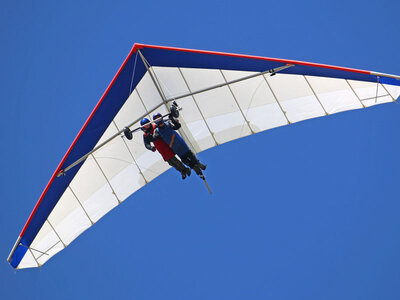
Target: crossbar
[272,71]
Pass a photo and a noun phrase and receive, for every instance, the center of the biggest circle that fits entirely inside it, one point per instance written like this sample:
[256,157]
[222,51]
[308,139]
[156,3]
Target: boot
[197,169]
[203,167]
[188,172]
[183,175]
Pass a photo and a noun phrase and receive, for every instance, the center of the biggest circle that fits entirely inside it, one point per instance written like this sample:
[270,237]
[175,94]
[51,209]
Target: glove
[153,149]
[174,121]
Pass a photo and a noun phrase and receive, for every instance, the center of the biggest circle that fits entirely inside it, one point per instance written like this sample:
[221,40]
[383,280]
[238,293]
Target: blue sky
[307,211]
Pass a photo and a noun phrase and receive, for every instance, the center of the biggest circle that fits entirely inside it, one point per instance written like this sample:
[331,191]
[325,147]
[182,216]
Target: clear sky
[307,211]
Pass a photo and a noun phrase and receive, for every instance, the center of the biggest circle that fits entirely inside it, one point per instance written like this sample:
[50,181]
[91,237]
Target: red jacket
[160,145]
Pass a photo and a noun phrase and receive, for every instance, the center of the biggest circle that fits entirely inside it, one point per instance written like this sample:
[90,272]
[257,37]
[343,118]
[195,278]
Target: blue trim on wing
[173,58]
[18,255]
[111,104]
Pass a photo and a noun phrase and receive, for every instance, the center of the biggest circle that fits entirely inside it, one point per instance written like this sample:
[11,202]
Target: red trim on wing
[286,61]
[74,142]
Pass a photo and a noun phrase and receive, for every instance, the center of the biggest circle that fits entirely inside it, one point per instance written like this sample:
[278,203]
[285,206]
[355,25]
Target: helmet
[145,123]
[157,117]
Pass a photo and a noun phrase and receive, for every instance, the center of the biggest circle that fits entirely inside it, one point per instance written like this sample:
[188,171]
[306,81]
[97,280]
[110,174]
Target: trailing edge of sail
[211,115]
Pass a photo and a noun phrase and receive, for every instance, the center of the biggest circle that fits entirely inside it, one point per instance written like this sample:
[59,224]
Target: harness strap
[172,141]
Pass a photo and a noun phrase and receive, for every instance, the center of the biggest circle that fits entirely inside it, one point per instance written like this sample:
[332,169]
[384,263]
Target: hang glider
[223,97]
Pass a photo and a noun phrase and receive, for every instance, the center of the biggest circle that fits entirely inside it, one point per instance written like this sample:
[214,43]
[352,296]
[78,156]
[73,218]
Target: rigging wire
[133,74]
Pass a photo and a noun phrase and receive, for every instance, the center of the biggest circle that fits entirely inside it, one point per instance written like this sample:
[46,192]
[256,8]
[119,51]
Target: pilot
[159,145]
[166,130]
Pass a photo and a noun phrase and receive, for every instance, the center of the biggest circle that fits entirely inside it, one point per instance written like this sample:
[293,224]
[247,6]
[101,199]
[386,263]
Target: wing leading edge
[72,203]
